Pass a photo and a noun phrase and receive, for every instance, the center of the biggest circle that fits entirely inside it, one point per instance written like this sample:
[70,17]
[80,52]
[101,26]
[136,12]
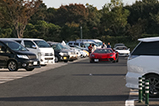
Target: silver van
[43,51]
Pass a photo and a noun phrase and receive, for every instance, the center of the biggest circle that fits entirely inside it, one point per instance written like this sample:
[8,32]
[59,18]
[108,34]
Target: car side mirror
[33,46]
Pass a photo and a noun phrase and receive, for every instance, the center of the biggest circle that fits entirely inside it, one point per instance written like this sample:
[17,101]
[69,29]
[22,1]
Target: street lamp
[81,31]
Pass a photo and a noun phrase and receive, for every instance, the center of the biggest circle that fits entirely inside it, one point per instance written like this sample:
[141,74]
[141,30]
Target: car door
[31,46]
[5,54]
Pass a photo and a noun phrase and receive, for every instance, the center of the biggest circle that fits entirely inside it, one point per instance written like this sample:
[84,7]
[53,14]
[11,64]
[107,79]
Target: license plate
[35,63]
[96,60]
[64,58]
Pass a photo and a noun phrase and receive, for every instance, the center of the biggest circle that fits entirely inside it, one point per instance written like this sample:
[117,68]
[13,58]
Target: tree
[115,17]
[17,13]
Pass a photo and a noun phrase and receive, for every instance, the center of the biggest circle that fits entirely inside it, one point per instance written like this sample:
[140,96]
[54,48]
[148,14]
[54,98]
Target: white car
[122,50]
[144,61]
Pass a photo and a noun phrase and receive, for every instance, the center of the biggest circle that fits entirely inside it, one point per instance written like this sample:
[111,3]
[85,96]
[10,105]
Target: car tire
[56,59]
[12,65]
[29,69]
[153,85]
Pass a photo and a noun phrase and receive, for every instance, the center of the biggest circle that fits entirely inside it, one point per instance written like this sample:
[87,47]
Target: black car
[61,54]
[14,56]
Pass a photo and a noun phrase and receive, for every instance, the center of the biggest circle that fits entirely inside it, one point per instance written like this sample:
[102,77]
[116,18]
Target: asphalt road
[75,84]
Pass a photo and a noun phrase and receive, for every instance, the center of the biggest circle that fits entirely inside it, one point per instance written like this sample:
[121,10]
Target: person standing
[90,48]
[93,47]
[104,46]
[108,46]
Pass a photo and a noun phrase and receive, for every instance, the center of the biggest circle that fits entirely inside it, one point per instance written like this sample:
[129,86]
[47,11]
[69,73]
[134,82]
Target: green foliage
[113,23]
[115,18]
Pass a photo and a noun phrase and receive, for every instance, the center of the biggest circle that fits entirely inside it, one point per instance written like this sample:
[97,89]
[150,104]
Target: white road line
[129,103]
[132,98]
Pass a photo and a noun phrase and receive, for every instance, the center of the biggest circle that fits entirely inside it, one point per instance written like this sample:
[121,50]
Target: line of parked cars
[30,53]
[65,53]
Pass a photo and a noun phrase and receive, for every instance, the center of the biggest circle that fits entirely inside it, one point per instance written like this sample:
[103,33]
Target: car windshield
[66,47]
[99,43]
[119,44]
[57,46]
[15,46]
[42,43]
[121,48]
[103,51]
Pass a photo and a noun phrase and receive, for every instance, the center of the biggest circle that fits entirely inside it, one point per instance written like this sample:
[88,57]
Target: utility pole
[81,31]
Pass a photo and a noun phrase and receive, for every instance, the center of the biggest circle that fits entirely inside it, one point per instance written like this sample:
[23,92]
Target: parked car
[40,47]
[14,56]
[122,50]
[73,53]
[61,54]
[102,54]
[144,61]
[82,51]
[119,44]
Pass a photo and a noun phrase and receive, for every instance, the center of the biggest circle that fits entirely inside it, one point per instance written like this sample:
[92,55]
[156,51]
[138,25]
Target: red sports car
[104,55]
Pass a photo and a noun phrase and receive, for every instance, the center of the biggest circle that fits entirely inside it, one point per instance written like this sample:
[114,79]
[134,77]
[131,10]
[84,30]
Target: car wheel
[56,59]
[29,69]
[12,66]
[153,85]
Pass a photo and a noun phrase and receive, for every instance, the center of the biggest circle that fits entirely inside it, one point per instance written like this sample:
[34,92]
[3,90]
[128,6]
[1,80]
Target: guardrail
[143,90]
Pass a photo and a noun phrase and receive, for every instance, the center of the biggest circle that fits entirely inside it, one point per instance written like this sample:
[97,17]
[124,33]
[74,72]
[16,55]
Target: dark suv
[14,56]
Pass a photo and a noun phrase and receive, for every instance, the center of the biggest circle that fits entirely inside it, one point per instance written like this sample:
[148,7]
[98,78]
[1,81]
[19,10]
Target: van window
[82,45]
[15,46]
[2,48]
[19,41]
[29,44]
[42,43]
[147,48]
[75,43]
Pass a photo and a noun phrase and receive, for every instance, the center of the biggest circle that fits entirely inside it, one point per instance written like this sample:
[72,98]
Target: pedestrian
[90,48]
[103,45]
[108,46]
[93,47]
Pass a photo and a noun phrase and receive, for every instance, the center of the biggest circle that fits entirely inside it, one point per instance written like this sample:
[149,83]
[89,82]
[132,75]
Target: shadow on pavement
[86,98]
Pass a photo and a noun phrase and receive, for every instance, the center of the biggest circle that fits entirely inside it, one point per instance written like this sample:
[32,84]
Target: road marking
[129,103]
[133,96]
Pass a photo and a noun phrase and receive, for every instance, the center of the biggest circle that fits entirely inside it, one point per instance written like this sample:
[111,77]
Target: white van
[83,44]
[97,41]
[144,61]
[40,47]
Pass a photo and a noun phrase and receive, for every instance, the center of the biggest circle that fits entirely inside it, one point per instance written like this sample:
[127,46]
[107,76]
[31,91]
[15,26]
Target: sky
[96,3]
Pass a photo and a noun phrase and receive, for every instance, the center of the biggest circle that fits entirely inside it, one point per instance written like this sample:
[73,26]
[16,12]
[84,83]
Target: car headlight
[23,56]
[61,53]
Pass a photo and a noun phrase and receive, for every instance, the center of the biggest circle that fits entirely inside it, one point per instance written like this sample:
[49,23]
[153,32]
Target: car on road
[104,54]
[14,56]
[144,61]
[122,50]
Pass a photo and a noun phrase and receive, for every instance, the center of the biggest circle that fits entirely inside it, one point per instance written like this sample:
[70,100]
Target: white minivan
[144,61]
[40,47]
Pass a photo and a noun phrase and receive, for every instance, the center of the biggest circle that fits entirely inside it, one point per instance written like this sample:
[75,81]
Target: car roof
[21,38]
[6,40]
[149,39]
